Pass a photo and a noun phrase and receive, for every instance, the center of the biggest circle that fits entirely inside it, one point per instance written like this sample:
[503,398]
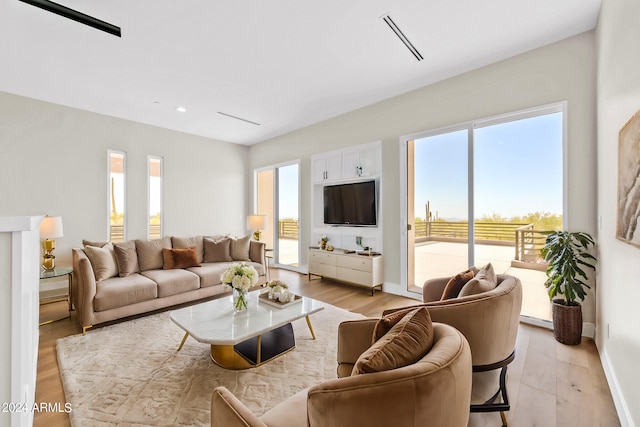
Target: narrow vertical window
[117,208]
[154,189]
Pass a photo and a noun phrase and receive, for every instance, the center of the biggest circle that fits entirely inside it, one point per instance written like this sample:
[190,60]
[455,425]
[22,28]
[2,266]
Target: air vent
[398,32]
[238,118]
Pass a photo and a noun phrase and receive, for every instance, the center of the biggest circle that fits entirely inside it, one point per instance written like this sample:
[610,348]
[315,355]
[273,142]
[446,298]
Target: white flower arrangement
[279,291]
[240,276]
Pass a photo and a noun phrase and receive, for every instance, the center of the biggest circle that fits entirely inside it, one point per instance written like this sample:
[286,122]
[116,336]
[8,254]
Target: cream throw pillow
[240,248]
[150,253]
[103,261]
[484,281]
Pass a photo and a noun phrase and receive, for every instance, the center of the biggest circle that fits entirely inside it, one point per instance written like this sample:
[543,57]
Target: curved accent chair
[434,391]
[489,321]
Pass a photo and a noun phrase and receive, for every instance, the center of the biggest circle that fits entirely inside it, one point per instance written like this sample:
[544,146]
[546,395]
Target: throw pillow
[150,253]
[180,258]
[406,343]
[126,258]
[103,261]
[456,283]
[93,243]
[484,281]
[388,321]
[217,250]
[240,248]
[189,242]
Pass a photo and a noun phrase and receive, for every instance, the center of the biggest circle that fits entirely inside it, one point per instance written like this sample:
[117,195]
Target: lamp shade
[51,227]
[256,222]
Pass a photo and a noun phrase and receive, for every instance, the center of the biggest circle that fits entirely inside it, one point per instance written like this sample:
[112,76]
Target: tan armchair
[434,391]
[489,321]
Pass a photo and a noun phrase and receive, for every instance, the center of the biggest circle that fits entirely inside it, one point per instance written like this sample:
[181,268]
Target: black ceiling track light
[402,37]
[58,9]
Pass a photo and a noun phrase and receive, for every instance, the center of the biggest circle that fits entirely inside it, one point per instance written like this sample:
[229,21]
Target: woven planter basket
[567,322]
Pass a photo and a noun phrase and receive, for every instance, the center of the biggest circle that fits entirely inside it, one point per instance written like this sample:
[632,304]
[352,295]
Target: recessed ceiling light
[181,109]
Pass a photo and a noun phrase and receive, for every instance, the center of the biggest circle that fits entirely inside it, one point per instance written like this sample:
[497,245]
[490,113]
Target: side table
[60,272]
[268,254]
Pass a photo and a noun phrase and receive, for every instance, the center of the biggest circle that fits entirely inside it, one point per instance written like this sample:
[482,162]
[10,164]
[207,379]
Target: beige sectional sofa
[112,281]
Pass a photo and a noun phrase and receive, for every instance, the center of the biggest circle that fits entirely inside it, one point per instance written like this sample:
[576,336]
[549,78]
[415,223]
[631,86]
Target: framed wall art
[628,224]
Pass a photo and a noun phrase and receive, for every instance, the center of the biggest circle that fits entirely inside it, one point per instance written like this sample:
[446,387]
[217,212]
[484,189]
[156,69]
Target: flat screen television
[352,204]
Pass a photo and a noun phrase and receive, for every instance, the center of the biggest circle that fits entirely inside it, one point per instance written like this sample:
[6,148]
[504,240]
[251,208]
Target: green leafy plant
[568,254]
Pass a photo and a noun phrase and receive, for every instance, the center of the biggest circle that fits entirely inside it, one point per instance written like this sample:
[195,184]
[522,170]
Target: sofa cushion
[127,258]
[217,250]
[240,248]
[406,343]
[123,291]
[103,261]
[210,273]
[172,282]
[180,258]
[150,253]
[291,412]
[484,281]
[456,283]
[189,242]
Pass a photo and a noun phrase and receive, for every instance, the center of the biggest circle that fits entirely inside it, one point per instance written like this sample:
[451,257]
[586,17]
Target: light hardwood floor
[549,384]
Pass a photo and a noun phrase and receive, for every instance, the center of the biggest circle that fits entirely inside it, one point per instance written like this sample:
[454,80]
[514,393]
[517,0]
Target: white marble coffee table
[247,339]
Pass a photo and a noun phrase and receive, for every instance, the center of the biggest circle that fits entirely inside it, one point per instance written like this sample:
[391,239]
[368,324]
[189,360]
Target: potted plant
[567,254]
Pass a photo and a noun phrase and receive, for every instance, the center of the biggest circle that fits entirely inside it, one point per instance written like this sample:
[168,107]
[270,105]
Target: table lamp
[50,228]
[257,223]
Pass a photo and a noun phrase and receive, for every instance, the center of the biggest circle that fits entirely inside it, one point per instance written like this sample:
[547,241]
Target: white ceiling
[282,63]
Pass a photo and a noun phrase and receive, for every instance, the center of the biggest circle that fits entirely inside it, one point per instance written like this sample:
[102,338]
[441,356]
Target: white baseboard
[618,398]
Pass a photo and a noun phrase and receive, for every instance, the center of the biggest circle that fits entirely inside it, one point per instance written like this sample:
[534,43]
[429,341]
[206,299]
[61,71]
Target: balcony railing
[458,231]
[288,229]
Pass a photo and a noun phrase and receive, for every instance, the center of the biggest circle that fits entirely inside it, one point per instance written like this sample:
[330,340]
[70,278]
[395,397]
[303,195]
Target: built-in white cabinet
[362,161]
[347,266]
[354,162]
[327,166]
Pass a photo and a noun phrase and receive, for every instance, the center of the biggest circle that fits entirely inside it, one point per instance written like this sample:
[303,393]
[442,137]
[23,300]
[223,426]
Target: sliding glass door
[505,173]
[277,197]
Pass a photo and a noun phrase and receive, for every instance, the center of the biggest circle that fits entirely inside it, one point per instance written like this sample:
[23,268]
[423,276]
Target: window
[154,191]
[117,196]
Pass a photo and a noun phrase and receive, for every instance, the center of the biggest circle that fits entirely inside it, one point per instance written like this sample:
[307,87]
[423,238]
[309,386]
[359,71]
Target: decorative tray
[265,299]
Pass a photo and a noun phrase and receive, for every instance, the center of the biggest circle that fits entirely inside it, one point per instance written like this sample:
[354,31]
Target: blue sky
[517,170]
[288,182]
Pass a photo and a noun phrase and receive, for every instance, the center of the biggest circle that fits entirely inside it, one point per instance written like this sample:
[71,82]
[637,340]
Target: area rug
[130,374]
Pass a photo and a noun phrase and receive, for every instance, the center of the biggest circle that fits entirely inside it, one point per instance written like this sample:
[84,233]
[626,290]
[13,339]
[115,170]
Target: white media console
[347,266]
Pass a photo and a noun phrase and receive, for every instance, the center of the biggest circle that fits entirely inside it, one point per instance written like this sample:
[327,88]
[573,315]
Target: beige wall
[618,38]
[53,160]
[561,71]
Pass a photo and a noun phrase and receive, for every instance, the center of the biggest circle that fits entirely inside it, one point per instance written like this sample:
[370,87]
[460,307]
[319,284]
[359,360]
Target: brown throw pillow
[387,322]
[180,258]
[484,281]
[127,258]
[406,343]
[188,242]
[103,261]
[456,283]
[217,250]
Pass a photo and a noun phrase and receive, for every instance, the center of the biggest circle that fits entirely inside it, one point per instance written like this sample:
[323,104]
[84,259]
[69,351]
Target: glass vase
[240,300]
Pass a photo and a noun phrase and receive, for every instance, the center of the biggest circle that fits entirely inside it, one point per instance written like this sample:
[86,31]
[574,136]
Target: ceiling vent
[61,10]
[398,32]
[238,118]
